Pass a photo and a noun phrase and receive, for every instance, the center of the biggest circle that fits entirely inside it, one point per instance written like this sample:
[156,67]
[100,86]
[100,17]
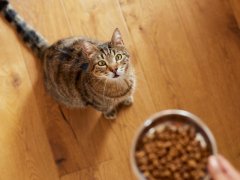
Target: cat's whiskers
[117,84]
[104,88]
[94,81]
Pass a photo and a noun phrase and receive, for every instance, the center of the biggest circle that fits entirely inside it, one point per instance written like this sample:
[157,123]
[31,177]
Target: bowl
[166,117]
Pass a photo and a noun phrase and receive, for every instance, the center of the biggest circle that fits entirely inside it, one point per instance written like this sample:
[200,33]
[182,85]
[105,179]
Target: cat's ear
[117,38]
[89,49]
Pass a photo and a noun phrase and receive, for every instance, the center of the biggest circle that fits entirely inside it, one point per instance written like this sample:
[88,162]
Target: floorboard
[186,56]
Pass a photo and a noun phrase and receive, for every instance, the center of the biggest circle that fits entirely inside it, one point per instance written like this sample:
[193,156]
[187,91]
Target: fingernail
[214,163]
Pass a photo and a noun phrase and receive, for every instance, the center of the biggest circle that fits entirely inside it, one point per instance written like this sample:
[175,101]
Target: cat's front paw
[128,101]
[110,114]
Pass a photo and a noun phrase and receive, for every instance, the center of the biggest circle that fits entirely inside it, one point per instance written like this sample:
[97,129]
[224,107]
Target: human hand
[220,169]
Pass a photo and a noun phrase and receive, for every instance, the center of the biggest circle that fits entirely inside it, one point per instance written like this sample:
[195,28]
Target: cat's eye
[118,57]
[101,63]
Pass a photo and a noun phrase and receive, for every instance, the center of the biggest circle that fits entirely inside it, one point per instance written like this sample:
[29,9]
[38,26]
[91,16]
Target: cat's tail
[32,39]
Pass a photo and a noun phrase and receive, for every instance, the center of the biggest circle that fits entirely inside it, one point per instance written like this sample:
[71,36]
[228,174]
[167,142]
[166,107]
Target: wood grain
[25,152]
[186,55]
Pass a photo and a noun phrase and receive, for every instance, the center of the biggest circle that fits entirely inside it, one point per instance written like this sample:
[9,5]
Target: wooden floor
[186,54]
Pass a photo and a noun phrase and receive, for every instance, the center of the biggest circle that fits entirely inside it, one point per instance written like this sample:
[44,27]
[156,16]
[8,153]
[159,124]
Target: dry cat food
[172,153]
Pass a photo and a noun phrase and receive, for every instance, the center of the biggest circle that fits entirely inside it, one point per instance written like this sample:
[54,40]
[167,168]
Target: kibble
[172,153]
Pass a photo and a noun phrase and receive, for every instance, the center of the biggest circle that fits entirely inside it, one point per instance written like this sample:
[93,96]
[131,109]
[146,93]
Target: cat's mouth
[115,75]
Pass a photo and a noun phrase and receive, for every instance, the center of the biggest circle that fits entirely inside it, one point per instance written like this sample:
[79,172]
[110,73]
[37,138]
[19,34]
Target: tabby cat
[79,71]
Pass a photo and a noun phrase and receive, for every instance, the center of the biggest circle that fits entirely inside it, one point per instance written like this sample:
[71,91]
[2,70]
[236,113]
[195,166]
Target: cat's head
[109,60]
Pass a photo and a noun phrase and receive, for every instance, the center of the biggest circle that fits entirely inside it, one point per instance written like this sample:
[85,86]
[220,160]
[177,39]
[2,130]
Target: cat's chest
[102,99]
[110,94]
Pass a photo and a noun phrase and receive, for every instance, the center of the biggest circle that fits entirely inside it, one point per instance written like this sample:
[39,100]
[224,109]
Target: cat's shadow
[89,129]
[76,136]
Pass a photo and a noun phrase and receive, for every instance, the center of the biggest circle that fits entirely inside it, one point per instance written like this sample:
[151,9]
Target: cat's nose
[114,70]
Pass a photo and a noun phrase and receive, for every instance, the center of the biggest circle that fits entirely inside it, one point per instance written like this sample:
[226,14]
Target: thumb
[228,169]
[215,169]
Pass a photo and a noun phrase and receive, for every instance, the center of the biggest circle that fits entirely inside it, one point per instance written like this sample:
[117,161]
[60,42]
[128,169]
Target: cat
[79,71]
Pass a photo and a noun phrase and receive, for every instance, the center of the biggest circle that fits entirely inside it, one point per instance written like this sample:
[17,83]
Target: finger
[215,169]
[227,167]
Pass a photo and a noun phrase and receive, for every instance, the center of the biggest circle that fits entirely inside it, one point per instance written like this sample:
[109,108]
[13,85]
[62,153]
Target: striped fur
[71,84]
[32,39]
[79,71]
